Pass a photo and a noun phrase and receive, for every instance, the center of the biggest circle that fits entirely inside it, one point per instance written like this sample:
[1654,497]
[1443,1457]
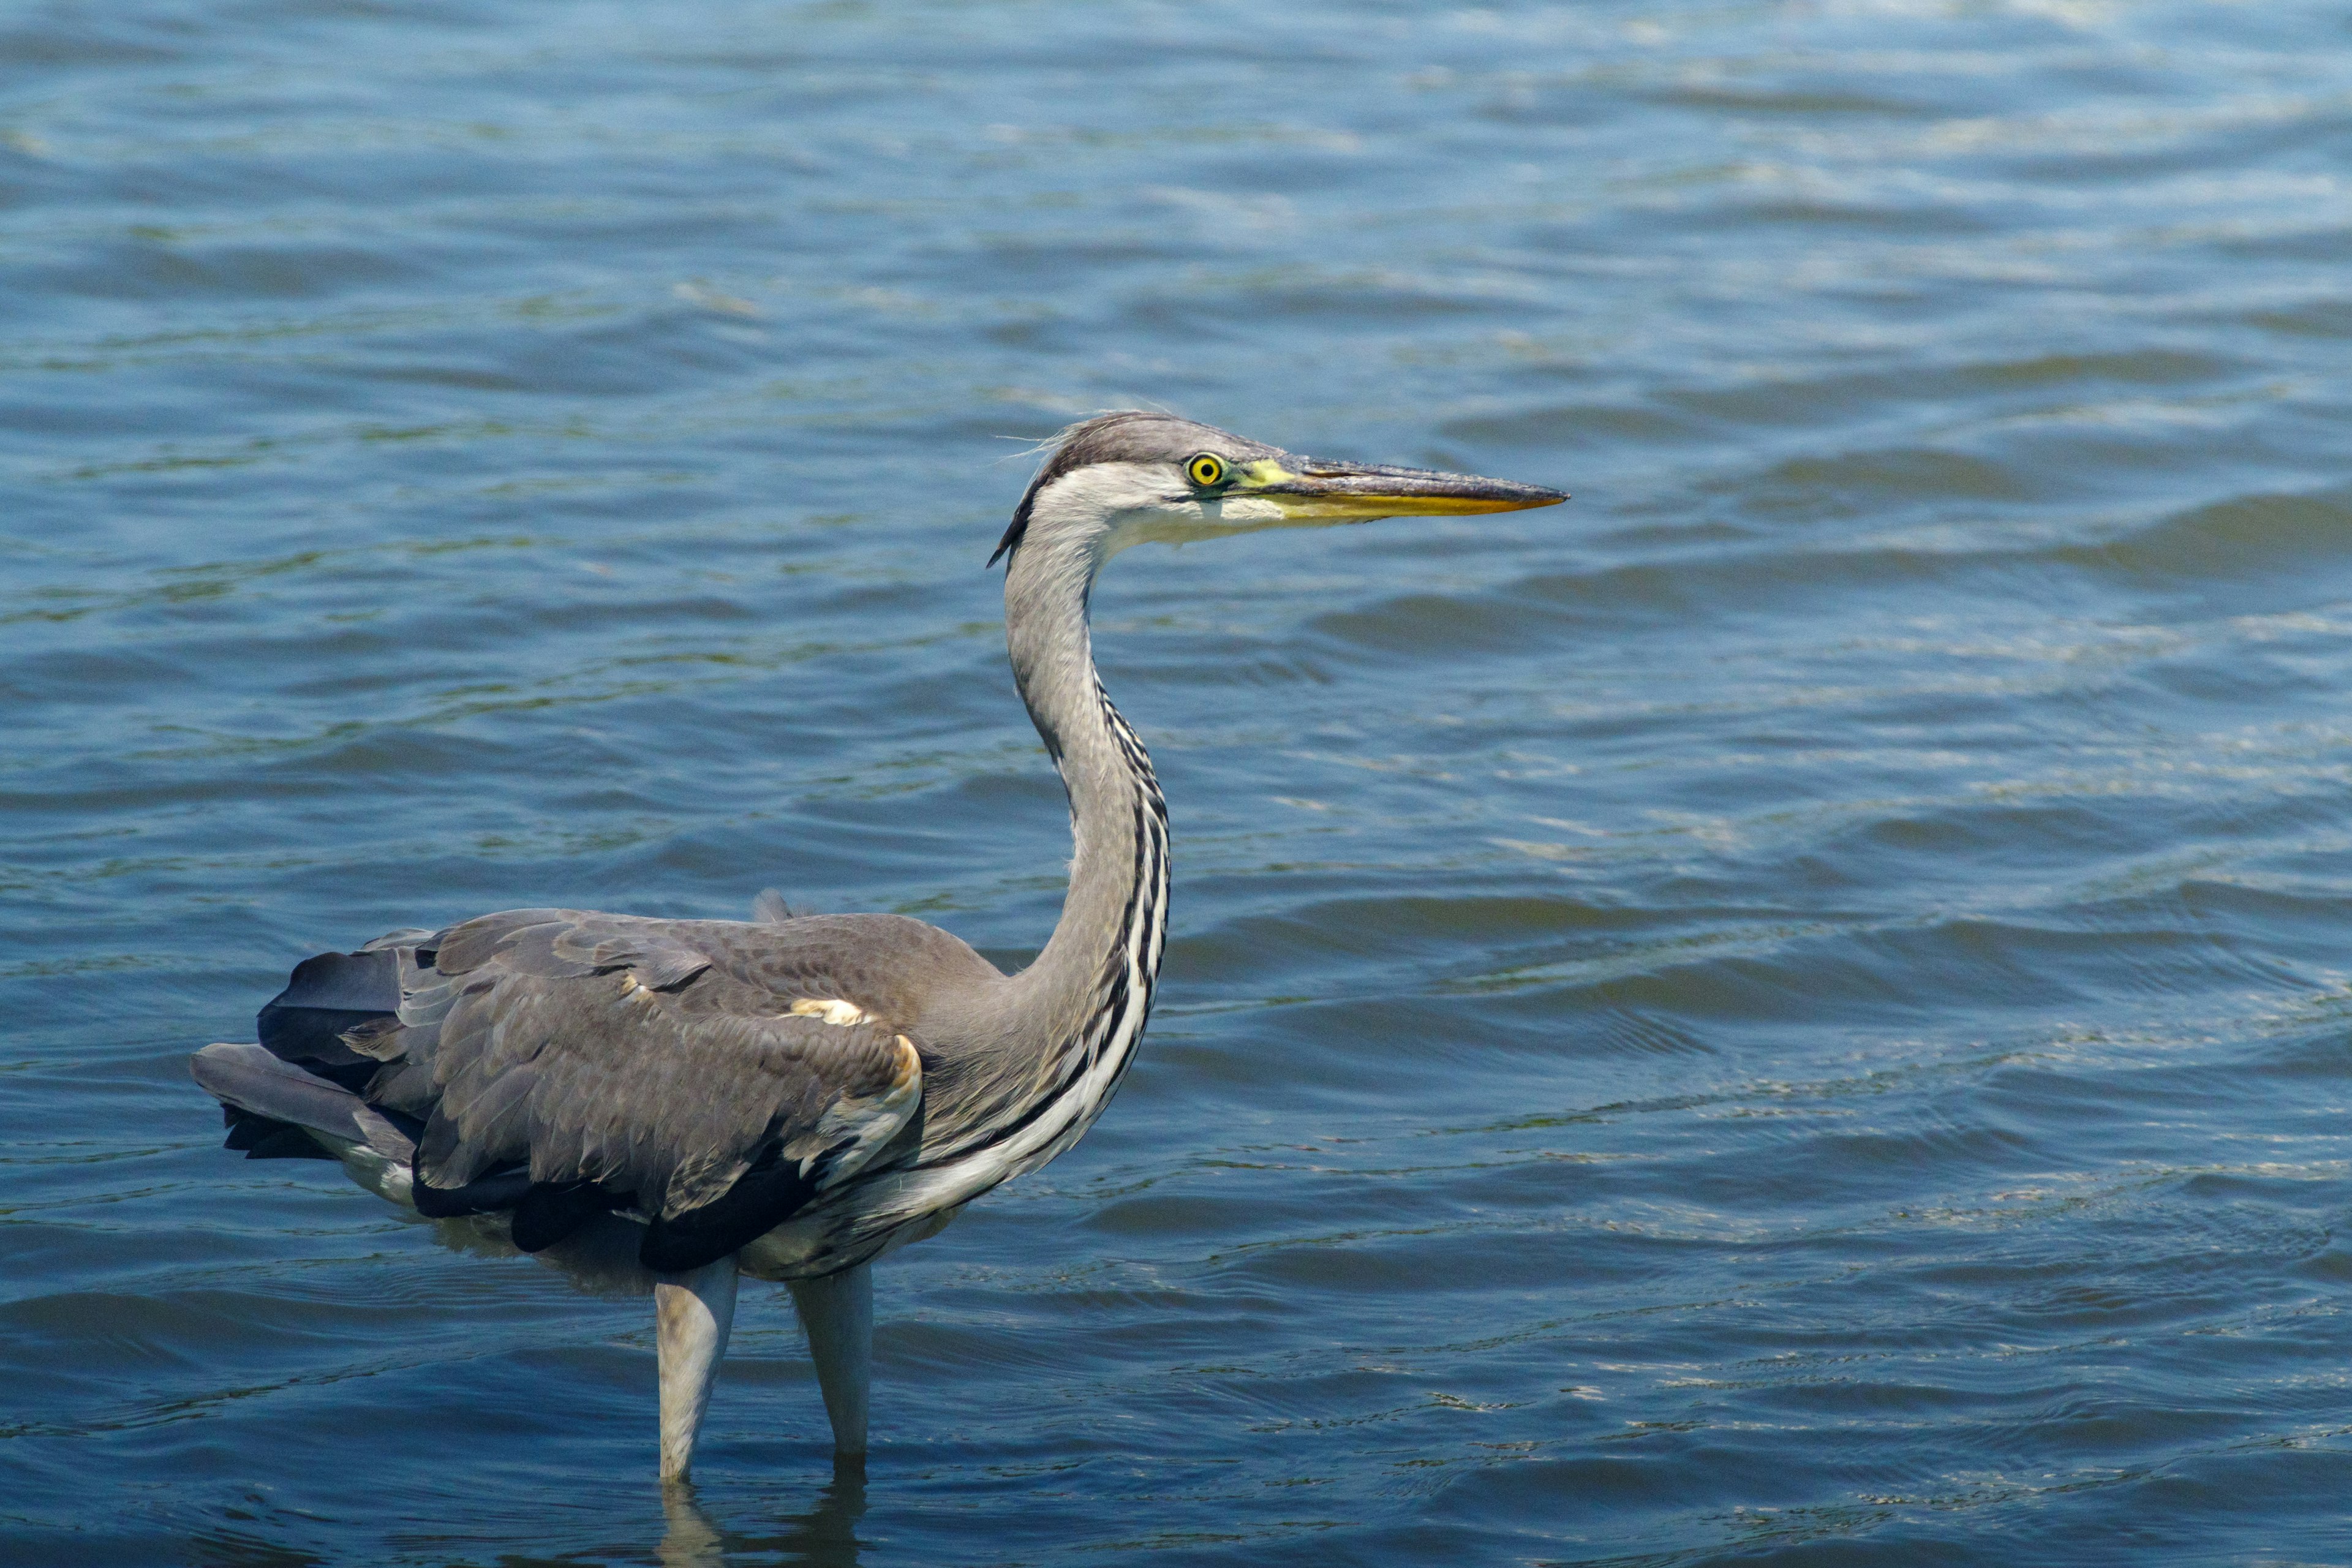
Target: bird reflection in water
[825,1536]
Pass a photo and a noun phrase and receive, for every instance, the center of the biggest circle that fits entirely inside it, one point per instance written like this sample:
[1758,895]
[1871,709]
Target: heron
[791,1097]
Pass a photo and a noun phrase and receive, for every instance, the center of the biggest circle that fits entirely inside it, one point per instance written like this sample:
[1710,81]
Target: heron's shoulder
[885,968]
[891,967]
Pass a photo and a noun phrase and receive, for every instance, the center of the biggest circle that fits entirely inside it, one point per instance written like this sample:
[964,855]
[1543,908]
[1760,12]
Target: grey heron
[792,1096]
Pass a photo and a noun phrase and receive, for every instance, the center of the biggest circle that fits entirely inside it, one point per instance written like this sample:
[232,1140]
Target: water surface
[1792,1010]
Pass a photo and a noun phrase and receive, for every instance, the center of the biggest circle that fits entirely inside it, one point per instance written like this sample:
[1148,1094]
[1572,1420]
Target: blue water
[1793,1010]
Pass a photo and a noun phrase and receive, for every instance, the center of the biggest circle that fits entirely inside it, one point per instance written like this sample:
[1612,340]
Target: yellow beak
[1355,492]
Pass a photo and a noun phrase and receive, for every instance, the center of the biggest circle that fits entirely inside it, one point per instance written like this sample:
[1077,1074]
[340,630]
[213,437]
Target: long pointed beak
[1310,490]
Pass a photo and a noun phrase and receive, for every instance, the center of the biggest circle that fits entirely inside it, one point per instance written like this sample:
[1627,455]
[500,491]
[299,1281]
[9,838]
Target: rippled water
[1794,1009]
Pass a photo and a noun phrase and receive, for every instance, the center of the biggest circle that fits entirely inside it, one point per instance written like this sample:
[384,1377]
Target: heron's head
[1122,478]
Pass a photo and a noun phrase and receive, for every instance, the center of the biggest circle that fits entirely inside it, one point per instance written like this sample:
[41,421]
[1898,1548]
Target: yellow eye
[1206,470]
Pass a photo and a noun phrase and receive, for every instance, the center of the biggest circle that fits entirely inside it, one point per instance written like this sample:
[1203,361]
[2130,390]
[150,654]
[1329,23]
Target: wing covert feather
[716,1076]
[609,1049]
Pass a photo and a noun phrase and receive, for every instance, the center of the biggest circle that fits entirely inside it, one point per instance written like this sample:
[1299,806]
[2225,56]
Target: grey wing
[561,1062]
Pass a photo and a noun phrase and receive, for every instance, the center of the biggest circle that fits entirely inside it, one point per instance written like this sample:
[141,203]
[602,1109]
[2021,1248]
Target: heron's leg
[692,1313]
[837,1312]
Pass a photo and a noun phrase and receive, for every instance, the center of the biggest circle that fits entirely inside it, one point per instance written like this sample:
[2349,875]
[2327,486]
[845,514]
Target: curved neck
[1118,872]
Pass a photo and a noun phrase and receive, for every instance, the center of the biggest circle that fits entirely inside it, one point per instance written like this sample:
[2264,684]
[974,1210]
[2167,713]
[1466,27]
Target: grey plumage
[251,1077]
[797,1093]
[657,1058]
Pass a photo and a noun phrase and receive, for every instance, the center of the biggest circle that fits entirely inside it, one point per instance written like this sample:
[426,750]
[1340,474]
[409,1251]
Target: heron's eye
[1206,469]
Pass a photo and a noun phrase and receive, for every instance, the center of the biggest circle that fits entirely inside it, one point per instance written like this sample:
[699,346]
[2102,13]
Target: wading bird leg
[837,1312]
[692,1313]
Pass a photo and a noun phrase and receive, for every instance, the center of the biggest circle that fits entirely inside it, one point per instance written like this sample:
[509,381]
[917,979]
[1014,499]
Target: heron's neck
[1106,943]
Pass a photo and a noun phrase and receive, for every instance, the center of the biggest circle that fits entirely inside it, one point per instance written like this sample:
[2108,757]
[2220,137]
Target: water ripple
[1791,1010]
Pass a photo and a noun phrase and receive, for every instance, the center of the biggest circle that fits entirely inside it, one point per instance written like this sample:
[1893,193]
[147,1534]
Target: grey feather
[250,1078]
[657,1057]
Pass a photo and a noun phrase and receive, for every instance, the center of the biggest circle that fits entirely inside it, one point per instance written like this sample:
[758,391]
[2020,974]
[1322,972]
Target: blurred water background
[1792,1010]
